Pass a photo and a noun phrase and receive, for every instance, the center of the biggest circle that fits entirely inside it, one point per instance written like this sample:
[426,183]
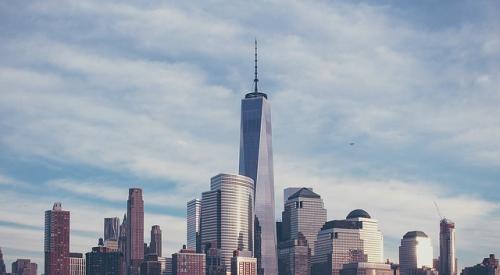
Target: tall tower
[256,162]
[193,225]
[135,231]
[415,252]
[227,216]
[122,238]
[155,244]
[447,255]
[111,229]
[56,242]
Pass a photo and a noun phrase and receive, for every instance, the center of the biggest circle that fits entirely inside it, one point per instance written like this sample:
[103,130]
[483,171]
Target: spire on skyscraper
[256,79]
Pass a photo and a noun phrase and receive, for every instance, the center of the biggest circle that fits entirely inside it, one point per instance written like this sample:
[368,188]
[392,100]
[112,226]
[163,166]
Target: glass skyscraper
[415,252]
[193,225]
[256,162]
[227,216]
[447,254]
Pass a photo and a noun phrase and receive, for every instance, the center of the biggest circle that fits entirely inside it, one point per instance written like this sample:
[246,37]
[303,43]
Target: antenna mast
[437,209]
[256,79]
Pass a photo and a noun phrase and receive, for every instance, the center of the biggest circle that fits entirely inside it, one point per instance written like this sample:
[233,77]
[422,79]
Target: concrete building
[415,252]
[294,257]
[355,239]
[24,267]
[188,262]
[76,264]
[135,231]
[256,162]
[193,225]
[447,249]
[489,266]
[56,241]
[243,263]
[155,244]
[227,215]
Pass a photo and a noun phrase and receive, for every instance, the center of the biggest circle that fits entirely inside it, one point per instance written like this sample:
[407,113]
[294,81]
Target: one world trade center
[256,162]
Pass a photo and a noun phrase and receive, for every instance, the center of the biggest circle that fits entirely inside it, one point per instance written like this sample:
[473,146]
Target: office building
[188,262]
[304,213]
[135,231]
[489,266]
[103,261]
[362,268]
[447,253]
[3,270]
[193,225]
[415,252]
[111,229]
[76,264]
[294,257]
[355,239]
[56,241]
[227,215]
[256,162]
[243,263]
[24,267]
[287,192]
[122,237]
[214,262]
[151,265]
[166,265]
[155,244]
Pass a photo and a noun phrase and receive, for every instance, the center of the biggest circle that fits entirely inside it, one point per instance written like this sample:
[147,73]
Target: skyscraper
[24,267]
[447,255]
[76,264]
[355,239]
[2,264]
[304,213]
[135,231]
[56,241]
[103,261]
[227,215]
[155,244]
[415,252]
[256,162]
[111,229]
[122,239]
[193,225]
[294,256]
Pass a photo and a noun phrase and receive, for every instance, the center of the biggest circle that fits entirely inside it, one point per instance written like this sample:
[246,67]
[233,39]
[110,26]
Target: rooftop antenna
[437,209]
[256,80]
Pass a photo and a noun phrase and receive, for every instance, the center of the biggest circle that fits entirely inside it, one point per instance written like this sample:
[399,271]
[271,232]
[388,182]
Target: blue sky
[100,96]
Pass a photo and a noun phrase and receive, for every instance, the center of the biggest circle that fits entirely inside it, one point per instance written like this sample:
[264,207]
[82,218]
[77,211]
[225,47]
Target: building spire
[256,79]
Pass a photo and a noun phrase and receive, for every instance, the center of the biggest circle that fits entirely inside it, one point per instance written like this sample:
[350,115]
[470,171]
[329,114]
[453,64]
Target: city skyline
[360,109]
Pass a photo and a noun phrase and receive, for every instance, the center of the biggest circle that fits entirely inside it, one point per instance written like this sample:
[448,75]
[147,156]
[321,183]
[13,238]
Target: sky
[100,96]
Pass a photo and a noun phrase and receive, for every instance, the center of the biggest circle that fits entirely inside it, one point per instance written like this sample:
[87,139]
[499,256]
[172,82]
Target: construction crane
[437,208]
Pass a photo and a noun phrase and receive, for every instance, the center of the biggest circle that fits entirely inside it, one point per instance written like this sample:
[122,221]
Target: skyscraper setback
[56,242]
[447,255]
[256,162]
[135,231]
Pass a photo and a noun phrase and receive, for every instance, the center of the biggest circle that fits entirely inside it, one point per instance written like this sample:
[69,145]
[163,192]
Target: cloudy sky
[100,96]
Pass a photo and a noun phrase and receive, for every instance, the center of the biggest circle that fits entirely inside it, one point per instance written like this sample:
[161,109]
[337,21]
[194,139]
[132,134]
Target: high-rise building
[415,252]
[76,264]
[213,262]
[166,265]
[447,254]
[287,192]
[193,225]
[122,237]
[151,265]
[24,267]
[355,239]
[103,261]
[227,215]
[111,229]
[135,231]
[188,262]
[304,213]
[243,263]
[2,264]
[489,266]
[155,244]
[294,256]
[256,162]
[56,241]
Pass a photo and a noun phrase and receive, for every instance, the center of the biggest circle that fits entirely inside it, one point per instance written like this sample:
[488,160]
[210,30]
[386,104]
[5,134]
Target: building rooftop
[304,193]
[358,213]
[414,234]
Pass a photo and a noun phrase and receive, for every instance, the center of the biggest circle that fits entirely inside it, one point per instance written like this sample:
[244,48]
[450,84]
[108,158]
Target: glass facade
[415,252]
[447,253]
[193,225]
[111,229]
[256,162]
[227,216]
